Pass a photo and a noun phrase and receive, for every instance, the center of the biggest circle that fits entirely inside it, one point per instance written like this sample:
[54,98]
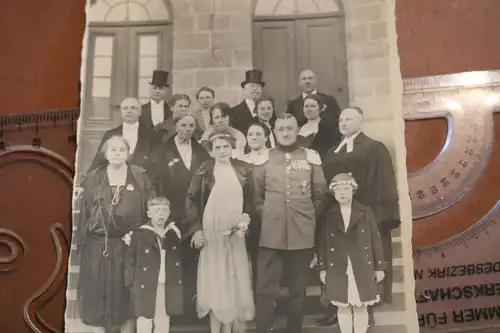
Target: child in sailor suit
[153,271]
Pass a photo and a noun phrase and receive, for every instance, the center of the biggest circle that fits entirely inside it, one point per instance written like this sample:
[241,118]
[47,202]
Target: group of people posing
[201,212]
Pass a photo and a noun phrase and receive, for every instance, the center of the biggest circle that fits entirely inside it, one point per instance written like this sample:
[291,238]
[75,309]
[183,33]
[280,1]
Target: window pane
[148,45]
[147,65]
[103,46]
[101,87]
[102,66]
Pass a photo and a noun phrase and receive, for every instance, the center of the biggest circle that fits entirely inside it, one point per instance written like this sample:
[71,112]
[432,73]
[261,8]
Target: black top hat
[253,76]
[160,79]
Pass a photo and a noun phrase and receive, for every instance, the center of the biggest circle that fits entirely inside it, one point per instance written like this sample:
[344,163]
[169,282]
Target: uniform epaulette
[262,158]
[313,157]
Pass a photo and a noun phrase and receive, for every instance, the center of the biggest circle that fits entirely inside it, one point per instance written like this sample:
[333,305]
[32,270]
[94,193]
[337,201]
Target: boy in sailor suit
[153,271]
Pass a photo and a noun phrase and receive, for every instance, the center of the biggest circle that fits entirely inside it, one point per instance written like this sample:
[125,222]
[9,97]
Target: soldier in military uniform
[289,192]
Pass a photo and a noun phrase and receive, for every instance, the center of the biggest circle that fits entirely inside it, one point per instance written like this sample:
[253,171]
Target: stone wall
[212,46]
[369,60]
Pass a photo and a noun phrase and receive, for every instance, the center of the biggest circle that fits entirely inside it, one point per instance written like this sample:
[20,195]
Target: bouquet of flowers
[240,228]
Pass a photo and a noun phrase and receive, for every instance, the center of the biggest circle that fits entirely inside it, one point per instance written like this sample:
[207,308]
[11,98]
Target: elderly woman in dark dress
[176,162]
[113,204]
[320,131]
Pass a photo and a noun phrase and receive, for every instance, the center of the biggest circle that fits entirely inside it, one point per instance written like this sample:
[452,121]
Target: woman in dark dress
[320,131]
[113,204]
[176,162]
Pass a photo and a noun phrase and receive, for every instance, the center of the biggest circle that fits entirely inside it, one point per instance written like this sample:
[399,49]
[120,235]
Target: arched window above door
[296,7]
[129,11]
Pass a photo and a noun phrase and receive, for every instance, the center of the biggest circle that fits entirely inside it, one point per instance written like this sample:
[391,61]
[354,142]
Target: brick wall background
[212,46]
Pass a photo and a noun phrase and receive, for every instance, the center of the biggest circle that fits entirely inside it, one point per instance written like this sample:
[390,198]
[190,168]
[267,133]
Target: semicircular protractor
[457,280]
[467,107]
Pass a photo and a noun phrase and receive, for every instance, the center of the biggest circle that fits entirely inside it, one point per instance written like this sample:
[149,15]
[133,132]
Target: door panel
[321,47]
[274,54]
[283,48]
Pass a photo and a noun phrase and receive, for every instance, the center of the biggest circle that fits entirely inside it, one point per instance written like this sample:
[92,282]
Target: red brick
[216,58]
[210,78]
[191,41]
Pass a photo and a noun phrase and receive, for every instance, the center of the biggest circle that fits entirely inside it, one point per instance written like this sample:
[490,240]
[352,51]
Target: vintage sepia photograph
[240,168]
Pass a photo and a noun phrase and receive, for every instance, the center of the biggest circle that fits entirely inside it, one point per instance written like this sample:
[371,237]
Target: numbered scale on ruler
[457,281]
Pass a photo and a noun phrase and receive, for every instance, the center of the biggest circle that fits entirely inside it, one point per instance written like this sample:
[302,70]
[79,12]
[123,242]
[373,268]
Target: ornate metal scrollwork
[48,159]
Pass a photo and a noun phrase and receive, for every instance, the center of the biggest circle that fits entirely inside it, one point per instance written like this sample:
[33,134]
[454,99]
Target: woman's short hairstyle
[179,97]
[223,133]
[119,138]
[224,108]
[320,100]
[206,89]
[267,131]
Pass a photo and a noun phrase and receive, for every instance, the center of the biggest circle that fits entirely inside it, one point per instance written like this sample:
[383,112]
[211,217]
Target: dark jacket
[241,117]
[199,191]
[296,107]
[145,117]
[142,268]
[361,243]
[173,177]
[147,141]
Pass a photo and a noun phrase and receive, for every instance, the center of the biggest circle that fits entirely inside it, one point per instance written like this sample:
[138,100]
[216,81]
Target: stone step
[386,322]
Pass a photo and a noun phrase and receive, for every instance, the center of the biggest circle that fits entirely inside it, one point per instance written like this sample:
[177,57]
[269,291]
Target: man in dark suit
[308,83]
[141,139]
[242,115]
[156,110]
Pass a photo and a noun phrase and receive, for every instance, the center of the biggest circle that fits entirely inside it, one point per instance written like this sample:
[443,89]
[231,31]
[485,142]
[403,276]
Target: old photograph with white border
[241,167]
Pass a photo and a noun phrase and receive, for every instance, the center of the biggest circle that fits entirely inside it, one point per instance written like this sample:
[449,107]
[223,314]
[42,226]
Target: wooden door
[283,48]
[321,46]
[120,63]
[274,54]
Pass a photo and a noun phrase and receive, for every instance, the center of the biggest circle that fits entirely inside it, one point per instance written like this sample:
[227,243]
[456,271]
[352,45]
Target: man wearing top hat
[156,110]
[243,114]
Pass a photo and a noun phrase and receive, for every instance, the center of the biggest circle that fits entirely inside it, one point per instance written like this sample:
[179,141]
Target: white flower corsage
[241,228]
[127,238]
[130,187]
[172,162]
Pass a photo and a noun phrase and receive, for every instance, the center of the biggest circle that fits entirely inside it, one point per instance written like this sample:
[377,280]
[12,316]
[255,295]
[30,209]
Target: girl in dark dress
[113,204]
[351,256]
[320,131]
